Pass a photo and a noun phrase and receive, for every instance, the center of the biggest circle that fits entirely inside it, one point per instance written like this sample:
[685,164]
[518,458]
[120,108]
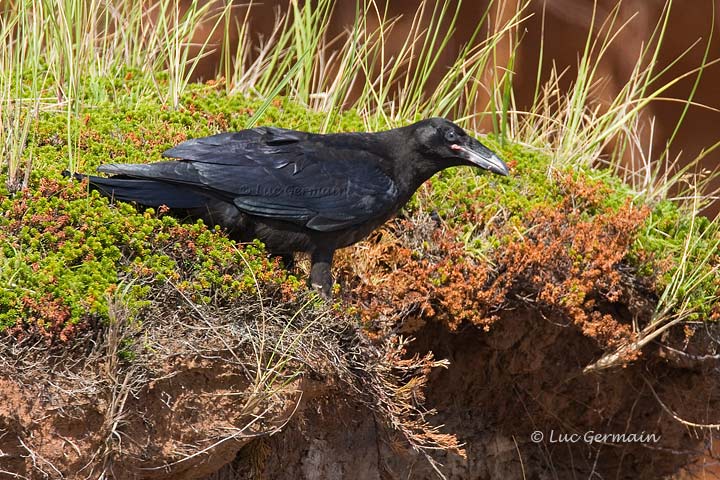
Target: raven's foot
[320,277]
[323,289]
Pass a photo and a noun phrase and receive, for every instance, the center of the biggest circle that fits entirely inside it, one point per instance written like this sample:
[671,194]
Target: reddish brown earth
[47,433]
[524,375]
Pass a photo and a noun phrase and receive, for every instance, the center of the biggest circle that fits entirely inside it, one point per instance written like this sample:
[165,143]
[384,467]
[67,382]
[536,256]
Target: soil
[523,375]
[179,426]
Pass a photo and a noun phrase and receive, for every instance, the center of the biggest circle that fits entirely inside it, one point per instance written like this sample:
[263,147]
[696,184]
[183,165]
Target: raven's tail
[149,193]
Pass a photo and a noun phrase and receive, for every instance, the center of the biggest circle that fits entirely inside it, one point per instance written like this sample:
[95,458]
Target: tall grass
[65,54]
[578,131]
[78,42]
[20,91]
[354,70]
[173,43]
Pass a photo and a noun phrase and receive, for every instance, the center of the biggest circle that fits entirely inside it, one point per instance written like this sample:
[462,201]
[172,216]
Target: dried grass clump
[438,280]
[392,385]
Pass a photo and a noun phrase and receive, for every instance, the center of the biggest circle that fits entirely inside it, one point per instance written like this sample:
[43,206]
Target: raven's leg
[320,278]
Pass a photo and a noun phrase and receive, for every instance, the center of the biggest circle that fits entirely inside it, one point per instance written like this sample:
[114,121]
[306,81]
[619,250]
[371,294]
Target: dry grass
[273,347]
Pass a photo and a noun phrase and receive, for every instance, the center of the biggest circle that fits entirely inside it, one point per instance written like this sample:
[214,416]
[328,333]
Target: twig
[712,426]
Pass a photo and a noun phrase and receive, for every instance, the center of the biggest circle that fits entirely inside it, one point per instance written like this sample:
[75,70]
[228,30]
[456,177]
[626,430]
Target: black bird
[298,191]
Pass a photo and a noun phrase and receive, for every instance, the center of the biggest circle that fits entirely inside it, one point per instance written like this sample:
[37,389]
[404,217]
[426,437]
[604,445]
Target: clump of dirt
[110,406]
[526,375]
[181,425]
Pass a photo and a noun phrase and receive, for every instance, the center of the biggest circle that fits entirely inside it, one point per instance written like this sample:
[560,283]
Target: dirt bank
[182,425]
[192,418]
[177,396]
[524,375]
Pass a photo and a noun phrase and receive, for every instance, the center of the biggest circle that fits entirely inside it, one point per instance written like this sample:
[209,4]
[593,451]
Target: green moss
[65,252]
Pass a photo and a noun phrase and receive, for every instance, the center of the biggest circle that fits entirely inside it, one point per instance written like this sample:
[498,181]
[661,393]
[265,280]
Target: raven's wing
[280,174]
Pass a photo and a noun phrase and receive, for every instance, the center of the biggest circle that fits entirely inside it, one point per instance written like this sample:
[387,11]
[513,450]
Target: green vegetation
[89,84]
[66,250]
[67,253]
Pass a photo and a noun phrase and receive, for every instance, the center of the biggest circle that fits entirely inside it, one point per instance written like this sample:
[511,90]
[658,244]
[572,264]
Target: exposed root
[669,411]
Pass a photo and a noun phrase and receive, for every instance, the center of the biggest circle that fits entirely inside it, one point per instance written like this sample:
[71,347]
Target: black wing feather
[150,193]
[241,148]
[280,174]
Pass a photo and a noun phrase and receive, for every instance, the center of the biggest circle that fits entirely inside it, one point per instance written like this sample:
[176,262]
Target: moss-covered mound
[66,251]
[570,245]
[577,241]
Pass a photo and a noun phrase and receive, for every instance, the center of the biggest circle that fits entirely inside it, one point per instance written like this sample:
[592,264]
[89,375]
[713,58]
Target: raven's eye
[450,136]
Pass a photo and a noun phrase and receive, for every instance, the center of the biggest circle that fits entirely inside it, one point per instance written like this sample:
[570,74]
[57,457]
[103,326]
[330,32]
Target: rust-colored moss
[561,261]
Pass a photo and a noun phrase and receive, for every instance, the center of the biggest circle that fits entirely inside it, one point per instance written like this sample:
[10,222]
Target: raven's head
[445,142]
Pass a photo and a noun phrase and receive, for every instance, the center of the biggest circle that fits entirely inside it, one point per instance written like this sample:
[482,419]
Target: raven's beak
[482,157]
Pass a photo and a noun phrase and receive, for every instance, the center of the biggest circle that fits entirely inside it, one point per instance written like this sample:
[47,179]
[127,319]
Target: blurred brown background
[566,25]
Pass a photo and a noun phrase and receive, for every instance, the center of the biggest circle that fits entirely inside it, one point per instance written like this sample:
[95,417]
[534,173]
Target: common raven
[298,191]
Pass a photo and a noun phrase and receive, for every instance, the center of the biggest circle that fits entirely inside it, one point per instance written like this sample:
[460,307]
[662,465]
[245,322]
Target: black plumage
[298,191]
